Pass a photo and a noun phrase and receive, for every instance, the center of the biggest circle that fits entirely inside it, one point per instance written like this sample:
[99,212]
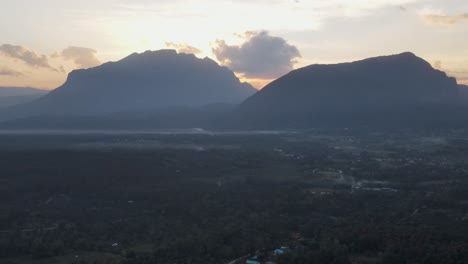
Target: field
[202,197]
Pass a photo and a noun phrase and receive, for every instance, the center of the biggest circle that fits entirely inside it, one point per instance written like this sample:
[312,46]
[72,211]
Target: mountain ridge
[400,90]
[6,91]
[10,96]
[141,81]
[351,93]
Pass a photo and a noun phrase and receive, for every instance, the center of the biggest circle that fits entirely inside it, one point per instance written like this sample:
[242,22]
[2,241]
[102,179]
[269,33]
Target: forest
[340,197]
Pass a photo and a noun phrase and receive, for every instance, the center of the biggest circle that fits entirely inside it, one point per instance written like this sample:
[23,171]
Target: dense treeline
[174,205]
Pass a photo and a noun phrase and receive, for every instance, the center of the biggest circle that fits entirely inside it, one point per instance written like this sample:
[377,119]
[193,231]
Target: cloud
[5,71]
[62,69]
[260,56]
[437,65]
[282,14]
[183,48]
[445,19]
[461,75]
[82,57]
[247,34]
[463,81]
[25,55]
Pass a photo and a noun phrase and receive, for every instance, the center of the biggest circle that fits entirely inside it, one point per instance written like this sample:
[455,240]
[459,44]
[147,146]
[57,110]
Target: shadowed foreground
[197,198]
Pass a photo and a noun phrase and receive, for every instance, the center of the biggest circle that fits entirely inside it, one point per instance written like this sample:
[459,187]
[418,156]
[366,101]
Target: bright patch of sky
[324,31]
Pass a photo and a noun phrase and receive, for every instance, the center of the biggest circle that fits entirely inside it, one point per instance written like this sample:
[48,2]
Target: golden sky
[42,41]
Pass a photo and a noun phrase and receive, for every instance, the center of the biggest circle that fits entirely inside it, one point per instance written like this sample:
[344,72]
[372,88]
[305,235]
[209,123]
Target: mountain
[150,81]
[20,91]
[398,90]
[463,90]
[7,101]
[10,96]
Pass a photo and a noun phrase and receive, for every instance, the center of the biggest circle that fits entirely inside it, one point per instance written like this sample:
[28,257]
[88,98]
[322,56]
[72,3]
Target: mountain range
[165,89]
[398,90]
[150,81]
[463,91]
[10,96]
[20,91]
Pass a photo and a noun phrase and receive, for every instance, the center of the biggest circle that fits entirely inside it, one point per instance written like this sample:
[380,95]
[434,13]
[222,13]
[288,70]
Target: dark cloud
[260,56]
[82,57]
[183,48]
[446,19]
[25,55]
[62,69]
[5,71]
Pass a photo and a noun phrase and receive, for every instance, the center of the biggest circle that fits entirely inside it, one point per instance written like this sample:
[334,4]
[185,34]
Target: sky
[260,40]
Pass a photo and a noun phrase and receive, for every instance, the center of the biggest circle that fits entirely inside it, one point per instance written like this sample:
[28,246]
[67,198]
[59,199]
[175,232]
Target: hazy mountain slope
[463,91]
[7,101]
[10,96]
[389,90]
[140,82]
[20,91]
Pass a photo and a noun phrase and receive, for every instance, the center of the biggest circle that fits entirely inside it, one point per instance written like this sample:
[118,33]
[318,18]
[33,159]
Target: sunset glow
[323,31]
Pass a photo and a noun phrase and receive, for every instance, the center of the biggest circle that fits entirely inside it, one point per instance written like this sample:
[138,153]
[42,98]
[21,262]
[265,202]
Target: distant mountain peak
[400,58]
[335,93]
[20,91]
[152,53]
[10,96]
[406,54]
[145,81]
[405,58]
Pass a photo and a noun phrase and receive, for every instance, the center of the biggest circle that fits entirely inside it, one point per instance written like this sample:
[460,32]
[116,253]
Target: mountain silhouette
[20,91]
[463,88]
[396,90]
[10,96]
[150,81]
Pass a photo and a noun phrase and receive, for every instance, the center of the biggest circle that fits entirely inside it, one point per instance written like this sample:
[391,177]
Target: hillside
[10,96]
[150,81]
[20,91]
[397,90]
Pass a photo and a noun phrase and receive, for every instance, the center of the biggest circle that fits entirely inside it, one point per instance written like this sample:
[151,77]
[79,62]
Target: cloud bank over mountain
[183,48]
[149,81]
[82,57]
[6,71]
[399,90]
[260,56]
[25,55]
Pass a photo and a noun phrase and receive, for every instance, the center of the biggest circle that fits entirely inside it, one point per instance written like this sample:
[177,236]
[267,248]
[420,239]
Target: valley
[195,196]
